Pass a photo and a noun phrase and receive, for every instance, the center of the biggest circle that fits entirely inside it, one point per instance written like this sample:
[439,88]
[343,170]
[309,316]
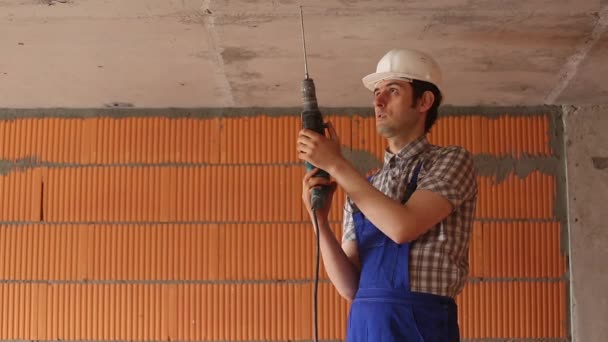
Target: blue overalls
[384,308]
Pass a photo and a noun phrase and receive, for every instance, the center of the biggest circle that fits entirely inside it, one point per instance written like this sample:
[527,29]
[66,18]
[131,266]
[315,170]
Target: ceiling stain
[600,163]
[236,54]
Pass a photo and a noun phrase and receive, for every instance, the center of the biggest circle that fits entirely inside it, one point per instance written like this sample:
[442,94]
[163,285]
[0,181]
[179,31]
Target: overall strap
[413,184]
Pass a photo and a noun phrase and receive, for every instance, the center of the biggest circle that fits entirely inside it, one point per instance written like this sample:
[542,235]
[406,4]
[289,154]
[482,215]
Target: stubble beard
[391,129]
[385,130]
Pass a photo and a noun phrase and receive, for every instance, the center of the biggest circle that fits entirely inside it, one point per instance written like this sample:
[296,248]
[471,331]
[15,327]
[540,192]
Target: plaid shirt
[439,259]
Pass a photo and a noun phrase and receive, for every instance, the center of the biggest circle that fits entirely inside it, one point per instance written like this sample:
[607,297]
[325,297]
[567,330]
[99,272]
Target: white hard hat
[405,64]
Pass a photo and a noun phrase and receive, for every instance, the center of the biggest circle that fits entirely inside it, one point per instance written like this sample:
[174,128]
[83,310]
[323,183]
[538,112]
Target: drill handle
[318,195]
[314,121]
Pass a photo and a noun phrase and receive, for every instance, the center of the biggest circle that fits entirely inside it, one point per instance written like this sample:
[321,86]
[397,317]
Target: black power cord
[316,281]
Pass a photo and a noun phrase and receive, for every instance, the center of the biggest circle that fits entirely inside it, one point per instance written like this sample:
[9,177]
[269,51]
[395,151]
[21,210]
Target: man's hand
[308,183]
[318,150]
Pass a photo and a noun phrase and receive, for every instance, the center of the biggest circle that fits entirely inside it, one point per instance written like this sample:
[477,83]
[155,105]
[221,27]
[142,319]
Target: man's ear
[426,101]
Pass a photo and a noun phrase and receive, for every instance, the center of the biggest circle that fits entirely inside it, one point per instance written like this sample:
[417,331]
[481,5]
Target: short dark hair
[418,88]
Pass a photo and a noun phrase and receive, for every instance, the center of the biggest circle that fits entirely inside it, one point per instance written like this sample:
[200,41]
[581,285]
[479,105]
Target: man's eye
[394,91]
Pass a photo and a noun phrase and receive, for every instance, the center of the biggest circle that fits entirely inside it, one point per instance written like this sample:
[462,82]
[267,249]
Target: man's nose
[380,100]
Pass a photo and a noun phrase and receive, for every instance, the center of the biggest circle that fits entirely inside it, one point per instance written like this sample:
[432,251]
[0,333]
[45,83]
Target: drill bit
[304,45]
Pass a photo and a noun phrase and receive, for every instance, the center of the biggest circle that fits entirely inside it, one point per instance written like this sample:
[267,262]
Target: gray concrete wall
[587,171]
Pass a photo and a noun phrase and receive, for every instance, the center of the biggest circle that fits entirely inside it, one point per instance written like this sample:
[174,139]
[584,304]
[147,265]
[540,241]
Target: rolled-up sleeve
[348,225]
[451,175]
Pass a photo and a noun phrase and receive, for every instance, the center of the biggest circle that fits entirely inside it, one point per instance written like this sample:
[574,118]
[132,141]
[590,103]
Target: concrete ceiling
[245,53]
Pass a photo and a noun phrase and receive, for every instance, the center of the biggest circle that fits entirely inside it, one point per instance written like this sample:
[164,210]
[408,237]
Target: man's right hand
[308,183]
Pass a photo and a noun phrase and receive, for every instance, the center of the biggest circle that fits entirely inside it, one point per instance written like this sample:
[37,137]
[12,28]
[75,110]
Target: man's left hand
[319,150]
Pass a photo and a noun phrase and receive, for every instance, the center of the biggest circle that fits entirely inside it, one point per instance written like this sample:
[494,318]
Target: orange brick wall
[154,228]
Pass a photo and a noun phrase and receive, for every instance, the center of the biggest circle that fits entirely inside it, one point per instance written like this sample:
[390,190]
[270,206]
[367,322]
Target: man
[406,230]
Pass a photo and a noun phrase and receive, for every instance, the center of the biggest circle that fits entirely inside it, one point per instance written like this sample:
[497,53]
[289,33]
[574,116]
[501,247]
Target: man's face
[393,106]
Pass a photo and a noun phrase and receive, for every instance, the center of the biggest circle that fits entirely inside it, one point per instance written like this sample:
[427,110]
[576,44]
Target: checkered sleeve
[452,175]
[348,225]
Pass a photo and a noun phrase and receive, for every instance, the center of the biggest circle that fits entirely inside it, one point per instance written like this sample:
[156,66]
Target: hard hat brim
[371,80]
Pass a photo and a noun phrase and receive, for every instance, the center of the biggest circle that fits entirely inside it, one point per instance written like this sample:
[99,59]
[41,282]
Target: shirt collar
[408,151]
